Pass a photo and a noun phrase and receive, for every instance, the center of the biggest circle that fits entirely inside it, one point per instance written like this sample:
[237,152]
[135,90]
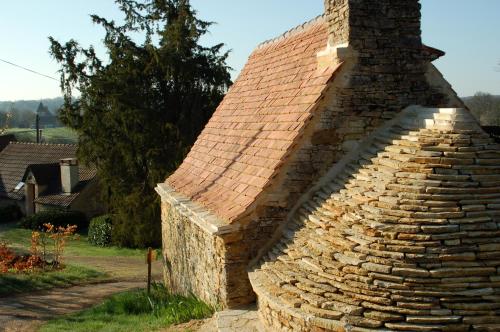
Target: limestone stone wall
[385,70]
[214,267]
[220,276]
[194,259]
[384,38]
[275,316]
[378,79]
[337,14]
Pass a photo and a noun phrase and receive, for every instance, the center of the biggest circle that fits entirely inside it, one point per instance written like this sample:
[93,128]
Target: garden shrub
[10,213]
[10,261]
[100,231]
[56,218]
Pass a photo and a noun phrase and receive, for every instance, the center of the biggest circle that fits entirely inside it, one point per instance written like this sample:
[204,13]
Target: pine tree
[138,113]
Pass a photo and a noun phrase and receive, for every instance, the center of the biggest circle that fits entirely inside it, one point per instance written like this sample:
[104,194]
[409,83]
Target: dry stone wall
[390,60]
[194,259]
[386,71]
[337,17]
[405,237]
[212,266]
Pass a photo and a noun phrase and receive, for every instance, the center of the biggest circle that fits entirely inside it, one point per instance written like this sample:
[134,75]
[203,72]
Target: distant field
[61,135]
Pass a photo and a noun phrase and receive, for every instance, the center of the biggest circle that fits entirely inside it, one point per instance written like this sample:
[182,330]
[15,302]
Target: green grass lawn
[11,283]
[60,135]
[19,239]
[134,311]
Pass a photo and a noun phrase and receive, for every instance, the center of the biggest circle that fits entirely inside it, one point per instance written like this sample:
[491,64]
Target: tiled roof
[16,157]
[259,121]
[50,176]
[56,198]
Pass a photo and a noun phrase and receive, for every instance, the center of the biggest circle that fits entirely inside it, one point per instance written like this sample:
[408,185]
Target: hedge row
[56,218]
[10,213]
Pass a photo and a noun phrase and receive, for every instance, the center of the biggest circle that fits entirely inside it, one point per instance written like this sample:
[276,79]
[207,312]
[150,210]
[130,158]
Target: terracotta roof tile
[254,128]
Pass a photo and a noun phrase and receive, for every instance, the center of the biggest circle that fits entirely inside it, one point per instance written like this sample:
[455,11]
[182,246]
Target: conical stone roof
[403,235]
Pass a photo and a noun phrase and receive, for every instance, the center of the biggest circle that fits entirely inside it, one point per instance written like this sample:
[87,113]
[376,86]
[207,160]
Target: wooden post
[149,260]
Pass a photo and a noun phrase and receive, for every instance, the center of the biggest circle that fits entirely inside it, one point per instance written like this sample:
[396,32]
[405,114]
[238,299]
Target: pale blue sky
[468,31]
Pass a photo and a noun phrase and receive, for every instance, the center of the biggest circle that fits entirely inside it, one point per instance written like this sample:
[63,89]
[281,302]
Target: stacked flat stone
[406,237]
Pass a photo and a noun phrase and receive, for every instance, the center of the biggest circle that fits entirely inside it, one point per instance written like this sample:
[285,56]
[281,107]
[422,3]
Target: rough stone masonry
[303,103]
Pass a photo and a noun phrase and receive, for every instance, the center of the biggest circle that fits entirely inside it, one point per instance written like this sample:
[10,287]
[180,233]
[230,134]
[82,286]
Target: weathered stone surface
[400,234]
[432,269]
[409,272]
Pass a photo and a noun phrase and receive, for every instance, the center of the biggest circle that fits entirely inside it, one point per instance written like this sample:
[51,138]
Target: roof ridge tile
[289,33]
[42,144]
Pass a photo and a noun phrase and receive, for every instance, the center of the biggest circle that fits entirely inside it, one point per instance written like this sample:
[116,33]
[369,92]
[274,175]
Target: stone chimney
[375,28]
[380,40]
[69,174]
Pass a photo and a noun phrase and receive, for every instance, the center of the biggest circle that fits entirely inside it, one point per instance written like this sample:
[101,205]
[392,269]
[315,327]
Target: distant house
[5,140]
[46,118]
[39,177]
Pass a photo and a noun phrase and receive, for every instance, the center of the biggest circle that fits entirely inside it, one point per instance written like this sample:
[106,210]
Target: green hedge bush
[56,218]
[10,213]
[100,229]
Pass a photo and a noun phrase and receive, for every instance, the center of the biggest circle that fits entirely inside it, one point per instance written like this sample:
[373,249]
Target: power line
[27,69]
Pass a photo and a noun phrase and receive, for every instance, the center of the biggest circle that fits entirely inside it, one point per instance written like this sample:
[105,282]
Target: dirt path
[122,268]
[26,312]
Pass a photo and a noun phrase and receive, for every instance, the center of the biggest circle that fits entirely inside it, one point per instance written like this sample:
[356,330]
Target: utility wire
[27,69]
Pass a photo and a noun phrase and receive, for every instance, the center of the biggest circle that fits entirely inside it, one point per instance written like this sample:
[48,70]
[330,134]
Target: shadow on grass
[11,283]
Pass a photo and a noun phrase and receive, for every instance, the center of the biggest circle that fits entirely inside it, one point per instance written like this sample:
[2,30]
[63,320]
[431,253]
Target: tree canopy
[138,113]
[485,107]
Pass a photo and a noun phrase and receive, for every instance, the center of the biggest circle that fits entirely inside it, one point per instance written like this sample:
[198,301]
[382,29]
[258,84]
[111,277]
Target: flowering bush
[50,237]
[57,235]
[10,261]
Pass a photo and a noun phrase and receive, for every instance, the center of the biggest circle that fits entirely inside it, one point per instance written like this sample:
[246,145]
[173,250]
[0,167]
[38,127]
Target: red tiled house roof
[255,127]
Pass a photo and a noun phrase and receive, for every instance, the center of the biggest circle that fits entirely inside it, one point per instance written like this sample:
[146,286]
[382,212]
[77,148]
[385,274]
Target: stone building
[320,189]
